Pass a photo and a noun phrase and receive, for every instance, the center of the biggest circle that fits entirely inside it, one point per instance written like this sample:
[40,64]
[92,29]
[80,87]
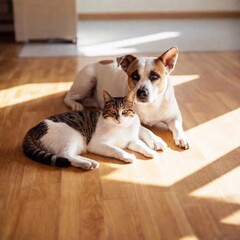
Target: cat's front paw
[94,164]
[150,153]
[87,165]
[159,143]
[128,158]
[153,141]
[156,143]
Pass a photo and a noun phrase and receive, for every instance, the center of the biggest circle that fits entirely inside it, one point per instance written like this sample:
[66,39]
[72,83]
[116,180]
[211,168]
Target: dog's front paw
[182,141]
[128,158]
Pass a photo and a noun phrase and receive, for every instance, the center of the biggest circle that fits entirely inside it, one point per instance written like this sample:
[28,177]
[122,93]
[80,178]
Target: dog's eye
[154,76]
[135,76]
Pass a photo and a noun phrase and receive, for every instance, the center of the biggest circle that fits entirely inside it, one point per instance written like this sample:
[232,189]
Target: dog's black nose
[142,93]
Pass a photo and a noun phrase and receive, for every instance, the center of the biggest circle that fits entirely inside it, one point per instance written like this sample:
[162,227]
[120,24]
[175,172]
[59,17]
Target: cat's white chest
[115,136]
[119,138]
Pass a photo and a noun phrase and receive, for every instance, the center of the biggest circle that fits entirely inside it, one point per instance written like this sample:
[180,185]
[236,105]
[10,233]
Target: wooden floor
[193,194]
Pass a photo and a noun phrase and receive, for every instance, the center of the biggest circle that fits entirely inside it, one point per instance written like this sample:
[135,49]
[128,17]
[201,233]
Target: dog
[149,78]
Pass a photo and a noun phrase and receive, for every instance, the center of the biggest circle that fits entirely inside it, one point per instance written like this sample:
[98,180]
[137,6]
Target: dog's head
[148,76]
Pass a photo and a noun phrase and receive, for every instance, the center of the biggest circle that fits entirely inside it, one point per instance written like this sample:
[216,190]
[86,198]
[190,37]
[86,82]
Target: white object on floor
[49,50]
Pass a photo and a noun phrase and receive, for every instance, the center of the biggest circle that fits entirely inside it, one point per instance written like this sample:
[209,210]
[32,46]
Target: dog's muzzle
[142,94]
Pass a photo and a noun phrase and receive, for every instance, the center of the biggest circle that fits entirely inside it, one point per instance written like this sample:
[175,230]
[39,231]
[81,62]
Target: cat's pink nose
[118,120]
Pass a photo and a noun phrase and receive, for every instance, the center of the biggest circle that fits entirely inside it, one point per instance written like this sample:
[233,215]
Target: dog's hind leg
[82,88]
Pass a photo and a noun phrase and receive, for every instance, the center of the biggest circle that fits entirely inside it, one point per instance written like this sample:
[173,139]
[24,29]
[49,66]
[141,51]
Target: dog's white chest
[149,115]
[153,113]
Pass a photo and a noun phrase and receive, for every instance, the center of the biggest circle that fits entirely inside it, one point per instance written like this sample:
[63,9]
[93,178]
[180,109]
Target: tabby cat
[58,140]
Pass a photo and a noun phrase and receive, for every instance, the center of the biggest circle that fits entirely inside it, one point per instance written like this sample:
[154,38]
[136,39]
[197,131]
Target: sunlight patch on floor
[213,190]
[212,138]
[122,46]
[233,219]
[189,238]
[30,91]
[180,79]
[153,174]
[95,52]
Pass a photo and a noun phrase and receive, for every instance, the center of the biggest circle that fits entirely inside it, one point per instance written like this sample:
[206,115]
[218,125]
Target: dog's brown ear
[169,58]
[125,61]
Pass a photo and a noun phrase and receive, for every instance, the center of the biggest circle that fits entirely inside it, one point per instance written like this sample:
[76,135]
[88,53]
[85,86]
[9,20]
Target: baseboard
[157,15]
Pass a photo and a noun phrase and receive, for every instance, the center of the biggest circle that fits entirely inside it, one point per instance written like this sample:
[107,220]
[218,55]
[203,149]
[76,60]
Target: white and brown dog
[155,102]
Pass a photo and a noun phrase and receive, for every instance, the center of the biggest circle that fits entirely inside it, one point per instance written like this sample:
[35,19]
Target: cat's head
[118,110]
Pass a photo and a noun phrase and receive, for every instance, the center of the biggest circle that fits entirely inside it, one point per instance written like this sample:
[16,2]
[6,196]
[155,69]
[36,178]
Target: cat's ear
[130,97]
[107,97]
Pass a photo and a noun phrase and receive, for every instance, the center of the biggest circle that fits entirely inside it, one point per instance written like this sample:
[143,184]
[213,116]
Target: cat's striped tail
[33,149]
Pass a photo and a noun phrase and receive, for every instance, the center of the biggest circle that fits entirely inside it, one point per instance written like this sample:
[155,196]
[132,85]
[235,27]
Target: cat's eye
[124,112]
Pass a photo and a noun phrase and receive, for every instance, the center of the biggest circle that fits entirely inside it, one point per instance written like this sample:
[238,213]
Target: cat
[60,139]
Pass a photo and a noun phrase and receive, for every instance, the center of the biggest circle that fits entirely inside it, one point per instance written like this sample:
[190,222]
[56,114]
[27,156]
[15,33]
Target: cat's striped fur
[58,140]
[112,108]
[83,121]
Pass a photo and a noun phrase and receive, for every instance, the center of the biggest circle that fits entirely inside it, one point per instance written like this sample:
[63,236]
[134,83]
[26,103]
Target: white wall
[119,6]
